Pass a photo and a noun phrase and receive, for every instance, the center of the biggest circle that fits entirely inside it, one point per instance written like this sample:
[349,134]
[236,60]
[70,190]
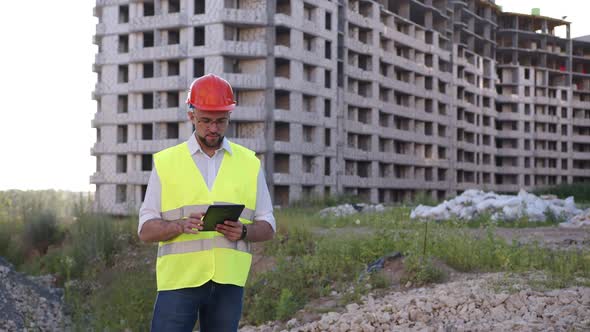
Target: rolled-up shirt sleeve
[151,206]
[263,202]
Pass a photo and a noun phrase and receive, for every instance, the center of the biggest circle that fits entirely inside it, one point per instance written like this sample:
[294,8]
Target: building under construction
[377,99]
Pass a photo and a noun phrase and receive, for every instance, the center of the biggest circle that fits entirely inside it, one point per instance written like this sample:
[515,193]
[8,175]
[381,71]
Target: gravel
[473,303]
[29,303]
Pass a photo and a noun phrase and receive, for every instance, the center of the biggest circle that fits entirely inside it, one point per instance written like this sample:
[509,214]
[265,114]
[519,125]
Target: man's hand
[189,225]
[232,230]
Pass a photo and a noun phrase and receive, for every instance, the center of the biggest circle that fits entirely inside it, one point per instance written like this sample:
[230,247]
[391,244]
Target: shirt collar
[194,146]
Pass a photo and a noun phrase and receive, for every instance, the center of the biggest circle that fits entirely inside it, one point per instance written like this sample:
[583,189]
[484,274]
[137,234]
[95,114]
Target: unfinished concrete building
[378,99]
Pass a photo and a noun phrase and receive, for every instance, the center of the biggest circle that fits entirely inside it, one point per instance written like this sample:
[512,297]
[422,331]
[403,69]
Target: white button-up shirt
[208,166]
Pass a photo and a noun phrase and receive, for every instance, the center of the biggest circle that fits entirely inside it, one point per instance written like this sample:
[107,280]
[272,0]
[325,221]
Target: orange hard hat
[211,93]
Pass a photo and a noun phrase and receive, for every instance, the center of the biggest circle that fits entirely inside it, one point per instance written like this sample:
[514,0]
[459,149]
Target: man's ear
[191,114]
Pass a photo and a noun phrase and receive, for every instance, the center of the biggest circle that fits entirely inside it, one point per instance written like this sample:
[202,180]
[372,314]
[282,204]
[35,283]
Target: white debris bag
[473,203]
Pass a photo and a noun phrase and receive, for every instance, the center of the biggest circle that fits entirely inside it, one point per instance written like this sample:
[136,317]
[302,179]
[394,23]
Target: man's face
[210,125]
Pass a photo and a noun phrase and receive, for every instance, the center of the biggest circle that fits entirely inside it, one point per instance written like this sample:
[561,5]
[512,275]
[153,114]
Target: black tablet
[217,214]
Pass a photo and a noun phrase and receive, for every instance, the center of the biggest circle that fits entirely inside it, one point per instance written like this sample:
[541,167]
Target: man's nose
[214,128]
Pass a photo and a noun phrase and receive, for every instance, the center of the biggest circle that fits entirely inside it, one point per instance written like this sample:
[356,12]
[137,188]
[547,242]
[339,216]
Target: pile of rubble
[349,209]
[580,220]
[473,203]
[471,304]
[28,303]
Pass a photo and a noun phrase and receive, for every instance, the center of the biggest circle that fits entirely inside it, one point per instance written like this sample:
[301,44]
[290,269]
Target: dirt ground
[552,237]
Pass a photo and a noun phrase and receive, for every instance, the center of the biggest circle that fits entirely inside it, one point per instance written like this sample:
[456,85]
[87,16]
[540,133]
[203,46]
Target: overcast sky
[46,81]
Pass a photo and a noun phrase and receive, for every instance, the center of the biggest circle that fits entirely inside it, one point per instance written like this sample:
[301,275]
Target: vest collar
[194,146]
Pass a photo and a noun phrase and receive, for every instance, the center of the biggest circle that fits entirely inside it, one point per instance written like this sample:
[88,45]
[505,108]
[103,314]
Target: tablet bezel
[217,214]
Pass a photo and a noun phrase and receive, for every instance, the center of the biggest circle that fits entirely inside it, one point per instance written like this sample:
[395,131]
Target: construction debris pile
[349,209]
[469,304]
[30,303]
[473,203]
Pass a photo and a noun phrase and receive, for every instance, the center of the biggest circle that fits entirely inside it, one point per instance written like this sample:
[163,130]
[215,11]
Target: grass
[115,280]
[580,191]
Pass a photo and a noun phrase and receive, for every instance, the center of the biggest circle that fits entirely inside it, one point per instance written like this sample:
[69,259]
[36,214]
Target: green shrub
[423,198]
[421,271]
[287,305]
[580,191]
[97,235]
[41,231]
[10,247]
[124,303]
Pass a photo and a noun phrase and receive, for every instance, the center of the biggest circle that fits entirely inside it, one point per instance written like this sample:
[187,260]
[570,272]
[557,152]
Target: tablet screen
[217,214]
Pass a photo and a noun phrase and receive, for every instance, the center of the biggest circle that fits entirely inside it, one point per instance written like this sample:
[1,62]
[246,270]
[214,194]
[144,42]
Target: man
[202,274]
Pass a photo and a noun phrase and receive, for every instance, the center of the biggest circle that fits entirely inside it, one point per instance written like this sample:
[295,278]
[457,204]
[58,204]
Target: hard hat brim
[213,108]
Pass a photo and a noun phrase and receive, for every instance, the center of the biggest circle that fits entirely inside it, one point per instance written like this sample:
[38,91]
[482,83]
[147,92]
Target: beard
[215,143]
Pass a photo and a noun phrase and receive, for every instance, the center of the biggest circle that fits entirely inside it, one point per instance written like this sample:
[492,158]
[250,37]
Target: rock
[463,305]
[29,302]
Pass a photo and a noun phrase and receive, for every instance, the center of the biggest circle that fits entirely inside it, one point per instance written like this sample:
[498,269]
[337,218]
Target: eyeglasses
[220,123]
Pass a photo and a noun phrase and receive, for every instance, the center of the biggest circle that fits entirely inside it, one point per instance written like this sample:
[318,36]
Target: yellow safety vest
[190,260]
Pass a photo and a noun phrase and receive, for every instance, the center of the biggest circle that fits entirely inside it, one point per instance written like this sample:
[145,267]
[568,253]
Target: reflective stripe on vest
[190,260]
[201,245]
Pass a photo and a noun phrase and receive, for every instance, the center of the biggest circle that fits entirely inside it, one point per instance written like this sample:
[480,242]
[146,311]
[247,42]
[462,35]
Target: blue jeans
[217,306]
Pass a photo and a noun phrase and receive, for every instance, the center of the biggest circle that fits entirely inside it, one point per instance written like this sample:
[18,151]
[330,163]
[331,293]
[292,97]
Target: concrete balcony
[255,144]
[140,116]
[160,52]
[111,29]
[98,178]
[548,171]
[581,155]
[133,146]
[249,113]
[406,39]
[165,21]
[467,166]
[582,122]
[284,83]
[246,81]
[507,187]
[359,47]
[358,19]
[103,118]
[159,115]
[549,136]
[580,104]
[353,98]
[166,83]
[103,3]
[232,15]
[579,172]
[102,88]
[580,138]
[135,177]
[295,116]
[514,116]
[138,177]
[282,51]
[510,134]
[359,73]
[285,20]
[241,48]
[547,118]
[316,178]
[509,152]
[546,154]
[117,58]
[469,146]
